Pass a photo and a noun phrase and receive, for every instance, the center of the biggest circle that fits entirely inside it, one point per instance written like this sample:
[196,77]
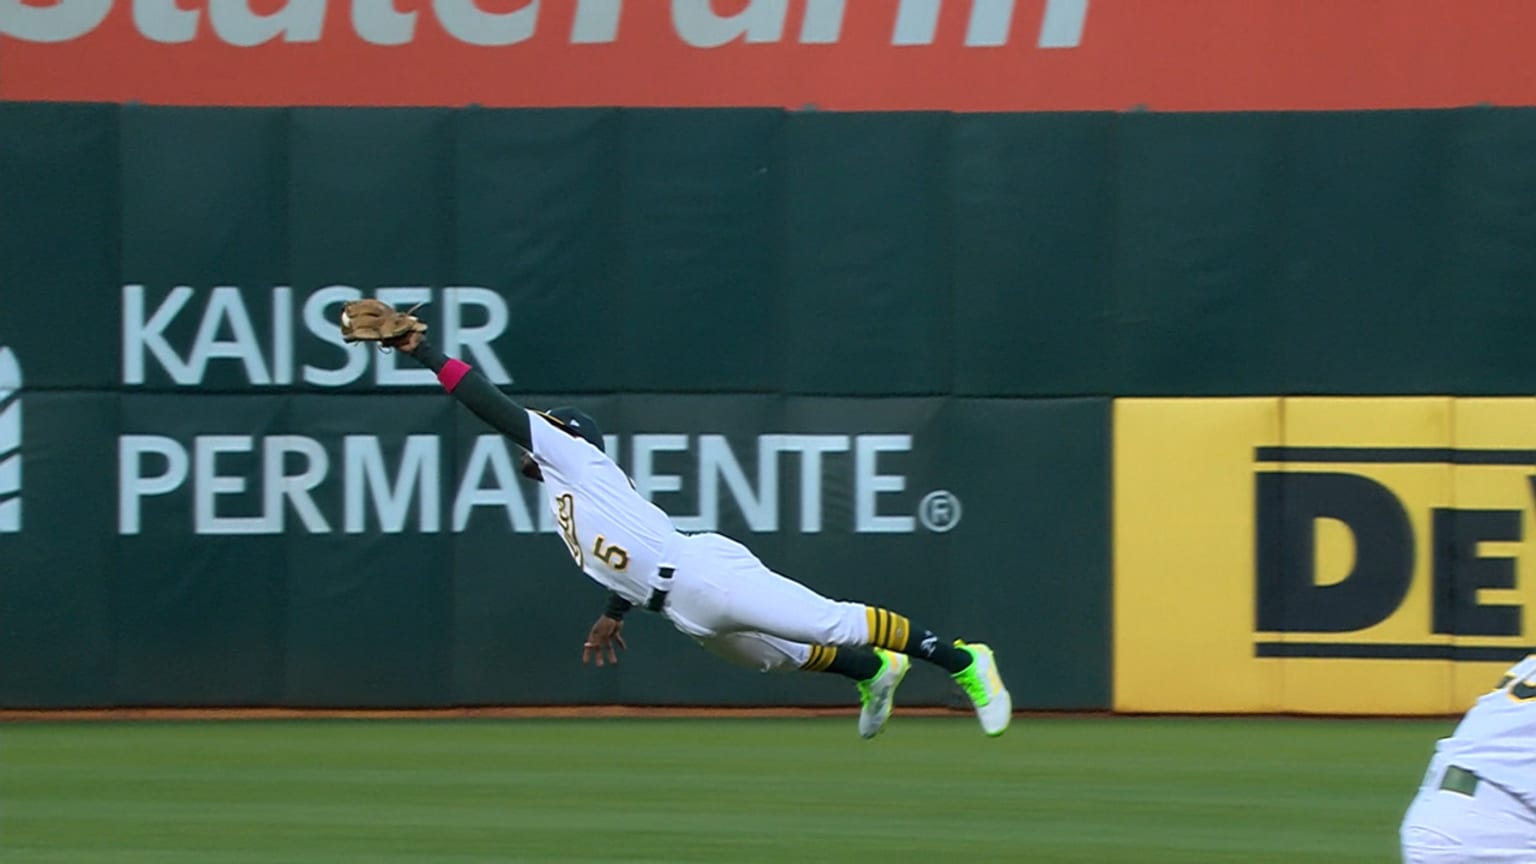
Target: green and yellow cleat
[878,695]
[980,681]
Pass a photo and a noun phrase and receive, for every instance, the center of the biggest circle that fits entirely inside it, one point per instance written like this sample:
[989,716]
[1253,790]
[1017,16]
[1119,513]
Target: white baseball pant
[725,597]
[1488,827]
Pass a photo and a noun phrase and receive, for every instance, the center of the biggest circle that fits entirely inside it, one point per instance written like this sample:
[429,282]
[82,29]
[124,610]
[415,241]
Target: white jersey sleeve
[557,450]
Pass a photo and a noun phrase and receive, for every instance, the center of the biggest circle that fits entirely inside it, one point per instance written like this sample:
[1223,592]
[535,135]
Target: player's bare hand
[606,635]
[407,343]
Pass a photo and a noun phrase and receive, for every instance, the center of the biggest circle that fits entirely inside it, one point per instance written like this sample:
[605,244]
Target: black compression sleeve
[478,394]
[617,606]
[427,355]
[495,407]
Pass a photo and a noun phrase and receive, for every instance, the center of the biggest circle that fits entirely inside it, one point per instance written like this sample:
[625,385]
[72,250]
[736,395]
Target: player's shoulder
[604,465]
[549,440]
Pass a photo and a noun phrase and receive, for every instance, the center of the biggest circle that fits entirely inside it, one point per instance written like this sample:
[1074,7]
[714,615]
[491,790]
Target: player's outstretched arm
[473,389]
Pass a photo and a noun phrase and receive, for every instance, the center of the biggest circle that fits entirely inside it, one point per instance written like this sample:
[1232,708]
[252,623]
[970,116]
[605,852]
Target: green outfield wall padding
[879,348]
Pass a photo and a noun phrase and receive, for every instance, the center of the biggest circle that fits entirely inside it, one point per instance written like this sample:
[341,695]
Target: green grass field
[1060,789]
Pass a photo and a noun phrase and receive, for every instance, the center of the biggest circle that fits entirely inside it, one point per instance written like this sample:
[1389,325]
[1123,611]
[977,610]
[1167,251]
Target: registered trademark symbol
[939,511]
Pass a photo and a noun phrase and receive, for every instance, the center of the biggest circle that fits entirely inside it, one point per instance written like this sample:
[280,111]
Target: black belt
[1463,782]
[659,595]
[1460,780]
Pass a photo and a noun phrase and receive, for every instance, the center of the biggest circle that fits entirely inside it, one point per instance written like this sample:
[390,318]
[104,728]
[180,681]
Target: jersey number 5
[616,557]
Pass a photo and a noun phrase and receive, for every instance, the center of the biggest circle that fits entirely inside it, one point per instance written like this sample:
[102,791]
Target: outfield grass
[1103,790]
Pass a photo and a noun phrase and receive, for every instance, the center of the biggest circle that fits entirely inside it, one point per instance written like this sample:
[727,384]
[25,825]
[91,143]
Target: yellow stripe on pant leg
[888,630]
[828,654]
[821,657]
[899,633]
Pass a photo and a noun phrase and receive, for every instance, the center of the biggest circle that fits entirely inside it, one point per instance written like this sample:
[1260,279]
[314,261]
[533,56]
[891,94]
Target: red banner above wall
[966,55]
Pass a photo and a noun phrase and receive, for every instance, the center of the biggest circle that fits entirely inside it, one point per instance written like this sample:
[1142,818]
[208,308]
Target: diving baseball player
[1478,799]
[709,586]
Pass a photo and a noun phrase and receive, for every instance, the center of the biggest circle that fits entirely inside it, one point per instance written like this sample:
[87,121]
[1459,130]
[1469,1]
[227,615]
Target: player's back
[614,534]
[1497,737]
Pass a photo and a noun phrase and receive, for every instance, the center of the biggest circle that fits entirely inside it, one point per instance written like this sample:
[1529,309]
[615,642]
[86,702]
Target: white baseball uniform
[1478,799]
[719,593]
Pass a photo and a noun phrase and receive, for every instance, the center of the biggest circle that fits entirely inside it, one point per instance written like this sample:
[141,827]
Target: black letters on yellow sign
[1289,505]
[1289,598]
[1460,572]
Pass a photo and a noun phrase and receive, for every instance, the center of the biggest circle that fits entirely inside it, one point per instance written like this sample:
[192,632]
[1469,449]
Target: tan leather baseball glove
[371,320]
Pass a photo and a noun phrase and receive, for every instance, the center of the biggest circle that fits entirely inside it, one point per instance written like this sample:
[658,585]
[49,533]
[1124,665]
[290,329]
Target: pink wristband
[452,373]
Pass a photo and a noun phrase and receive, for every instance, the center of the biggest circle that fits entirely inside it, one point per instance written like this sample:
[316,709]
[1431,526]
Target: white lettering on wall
[472,25]
[378,22]
[368,478]
[282,479]
[237,24]
[869,483]
[56,22]
[697,23]
[491,453]
[226,336]
[133,484]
